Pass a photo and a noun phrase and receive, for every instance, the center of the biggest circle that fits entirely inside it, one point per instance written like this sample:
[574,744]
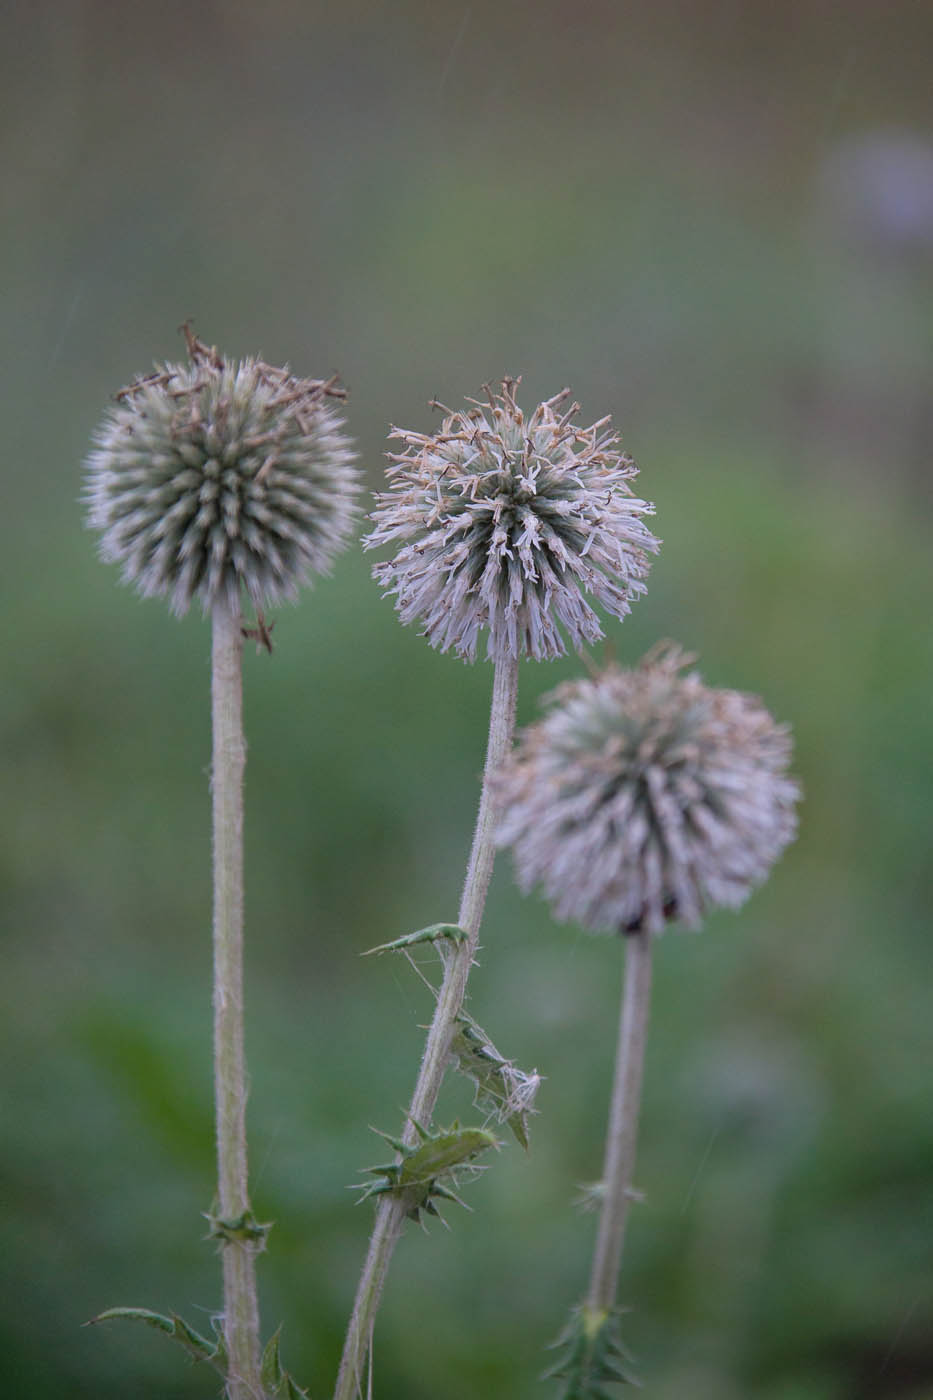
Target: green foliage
[593,1361]
[197,1346]
[278,1384]
[243,1227]
[421,1175]
[276,1380]
[501,1088]
[432,934]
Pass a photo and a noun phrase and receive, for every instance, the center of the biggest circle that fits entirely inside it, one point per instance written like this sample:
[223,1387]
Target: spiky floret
[645,796]
[507,520]
[423,1171]
[217,475]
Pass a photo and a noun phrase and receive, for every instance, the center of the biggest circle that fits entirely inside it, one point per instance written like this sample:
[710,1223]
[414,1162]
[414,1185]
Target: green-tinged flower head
[644,796]
[217,475]
[506,520]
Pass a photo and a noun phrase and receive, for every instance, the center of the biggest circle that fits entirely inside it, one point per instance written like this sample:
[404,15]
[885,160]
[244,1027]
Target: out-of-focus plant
[217,481]
[643,797]
[505,522]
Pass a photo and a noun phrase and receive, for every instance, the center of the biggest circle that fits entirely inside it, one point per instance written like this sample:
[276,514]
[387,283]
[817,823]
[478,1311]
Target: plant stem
[241,1311]
[623,1123]
[391,1211]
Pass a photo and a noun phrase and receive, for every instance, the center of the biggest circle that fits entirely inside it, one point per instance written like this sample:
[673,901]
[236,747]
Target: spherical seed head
[506,520]
[644,796]
[217,475]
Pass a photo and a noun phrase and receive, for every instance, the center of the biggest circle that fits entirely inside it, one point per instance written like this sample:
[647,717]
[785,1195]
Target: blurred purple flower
[644,796]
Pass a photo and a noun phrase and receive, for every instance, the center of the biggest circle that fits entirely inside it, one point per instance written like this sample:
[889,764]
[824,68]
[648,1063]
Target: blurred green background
[714,221]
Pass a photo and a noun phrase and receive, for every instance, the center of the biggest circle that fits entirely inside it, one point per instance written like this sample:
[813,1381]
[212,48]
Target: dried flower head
[217,474]
[644,796]
[507,520]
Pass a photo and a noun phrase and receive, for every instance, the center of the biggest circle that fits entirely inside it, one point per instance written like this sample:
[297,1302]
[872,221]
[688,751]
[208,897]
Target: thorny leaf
[424,1169]
[243,1228]
[431,934]
[502,1089]
[593,1360]
[275,1379]
[201,1348]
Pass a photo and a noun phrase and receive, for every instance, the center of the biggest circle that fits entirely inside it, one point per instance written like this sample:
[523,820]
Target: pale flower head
[507,522]
[644,797]
[217,475]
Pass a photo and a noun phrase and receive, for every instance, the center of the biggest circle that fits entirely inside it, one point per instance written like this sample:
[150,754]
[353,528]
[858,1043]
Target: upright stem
[241,1312]
[390,1213]
[623,1123]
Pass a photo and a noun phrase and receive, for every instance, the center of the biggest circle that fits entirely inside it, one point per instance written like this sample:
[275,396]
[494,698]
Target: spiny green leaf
[593,1357]
[220,1355]
[443,1152]
[425,1167]
[243,1228]
[502,1089]
[431,934]
[201,1348]
[271,1370]
[275,1379]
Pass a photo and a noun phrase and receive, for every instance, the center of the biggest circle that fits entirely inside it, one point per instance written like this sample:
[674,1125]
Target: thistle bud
[505,520]
[217,475]
[644,796]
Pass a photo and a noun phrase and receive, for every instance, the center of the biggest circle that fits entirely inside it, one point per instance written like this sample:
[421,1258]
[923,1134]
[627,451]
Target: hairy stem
[390,1213]
[621,1139]
[241,1311]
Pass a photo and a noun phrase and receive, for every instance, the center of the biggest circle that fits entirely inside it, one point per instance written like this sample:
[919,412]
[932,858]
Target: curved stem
[390,1213]
[623,1123]
[241,1311]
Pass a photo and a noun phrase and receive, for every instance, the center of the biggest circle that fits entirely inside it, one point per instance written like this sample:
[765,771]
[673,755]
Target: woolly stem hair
[241,1309]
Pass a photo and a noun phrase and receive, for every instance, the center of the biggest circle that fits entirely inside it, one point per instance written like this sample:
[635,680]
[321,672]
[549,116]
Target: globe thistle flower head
[504,520]
[214,476]
[644,796]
